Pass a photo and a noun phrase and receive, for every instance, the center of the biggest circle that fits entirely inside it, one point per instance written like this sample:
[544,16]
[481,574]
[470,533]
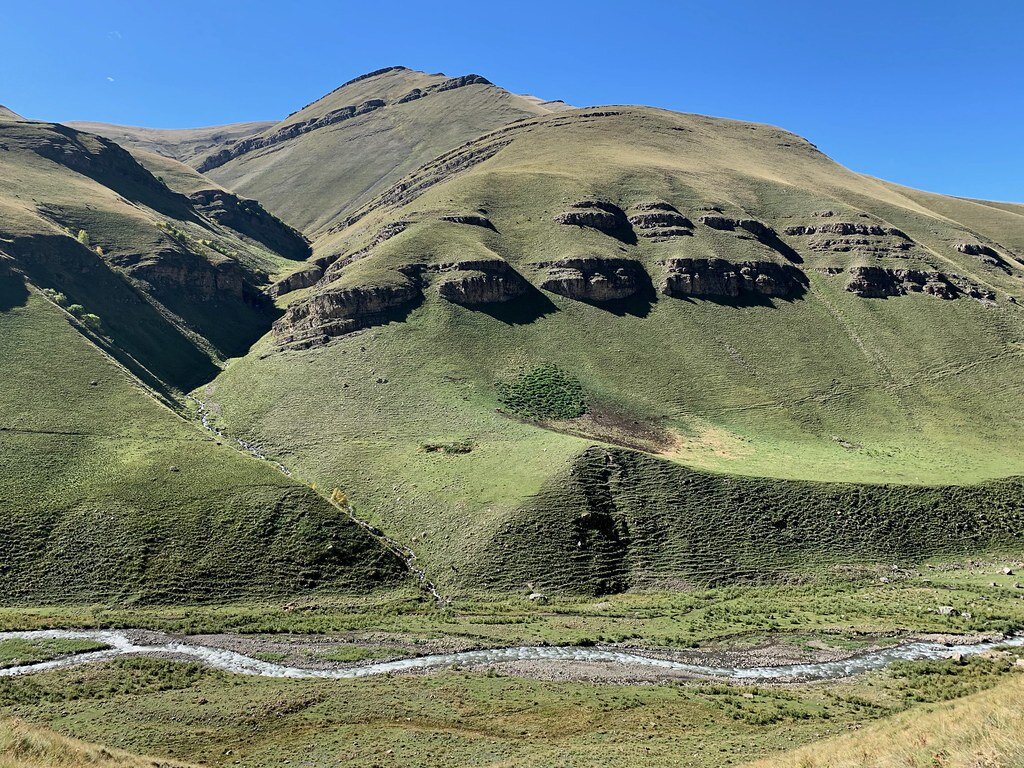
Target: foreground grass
[985,730]
[27,746]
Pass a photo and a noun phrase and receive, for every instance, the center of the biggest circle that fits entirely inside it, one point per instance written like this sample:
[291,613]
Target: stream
[121,644]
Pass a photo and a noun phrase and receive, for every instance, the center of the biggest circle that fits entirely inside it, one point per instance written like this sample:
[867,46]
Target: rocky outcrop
[250,219]
[757,228]
[880,283]
[336,311]
[595,279]
[183,273]
[287,132]
[717,278]
[448,85]
[333,264]
[846,228]
[472,220]
[984,254]
[472,283]
[600,215]
[302,278]
[659,220]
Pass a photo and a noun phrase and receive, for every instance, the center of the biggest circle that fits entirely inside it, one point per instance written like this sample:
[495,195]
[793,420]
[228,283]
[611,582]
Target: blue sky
[929,94]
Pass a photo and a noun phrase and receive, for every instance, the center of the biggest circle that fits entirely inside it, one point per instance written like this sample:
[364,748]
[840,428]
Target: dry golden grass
[985,730]
[27,746]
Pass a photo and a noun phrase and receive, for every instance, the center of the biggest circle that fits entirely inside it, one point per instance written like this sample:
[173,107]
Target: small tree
[339,498]
[92,322]
[83,237]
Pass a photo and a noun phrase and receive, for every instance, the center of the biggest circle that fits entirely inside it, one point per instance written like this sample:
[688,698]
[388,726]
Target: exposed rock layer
[717,278]
[595,279]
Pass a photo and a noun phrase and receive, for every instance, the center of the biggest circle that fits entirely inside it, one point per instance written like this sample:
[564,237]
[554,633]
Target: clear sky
[929,94]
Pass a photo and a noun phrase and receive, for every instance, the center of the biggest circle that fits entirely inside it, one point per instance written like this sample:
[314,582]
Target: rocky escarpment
[448,85]
[595,279]
[182,272]
[471,283]
[288,132]
[870,239]
[847,228]
[717,221]
[249,218]
[880,283]
[659,220]
[600,215]
[984,254]
[717,278]
[337,310]
[330,265]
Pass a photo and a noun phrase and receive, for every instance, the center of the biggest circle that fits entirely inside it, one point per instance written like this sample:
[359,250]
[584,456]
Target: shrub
[83,237]
[546,392]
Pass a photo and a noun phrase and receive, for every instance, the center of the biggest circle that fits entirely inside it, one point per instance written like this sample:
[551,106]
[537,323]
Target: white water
[120,644]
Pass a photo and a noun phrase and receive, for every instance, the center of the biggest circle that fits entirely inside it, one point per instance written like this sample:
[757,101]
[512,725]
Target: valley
[617,412]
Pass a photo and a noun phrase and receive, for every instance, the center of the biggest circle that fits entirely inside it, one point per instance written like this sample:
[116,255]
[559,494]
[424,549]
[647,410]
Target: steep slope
[7,114]
[187,145]
[114,291]
[333,155]
[109,495]
[173,286]
[705,295]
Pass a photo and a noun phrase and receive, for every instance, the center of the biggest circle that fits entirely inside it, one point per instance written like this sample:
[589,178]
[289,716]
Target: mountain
[183,144]
[619,347]
[118,294]
[321,162]
[7,114]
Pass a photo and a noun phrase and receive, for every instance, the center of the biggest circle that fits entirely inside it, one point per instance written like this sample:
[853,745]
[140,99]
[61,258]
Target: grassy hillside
[801,378]
[313,179]
[173,289]
[184,144]
[108,495]
[116,291]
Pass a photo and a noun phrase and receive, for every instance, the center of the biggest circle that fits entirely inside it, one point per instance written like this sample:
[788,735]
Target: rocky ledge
[471,283]
[471,219]
[336,311]
[757,228]
[595,279]
[717,278]
[659,220]
[249,218]
[880,283]
[600,215]
[846,228]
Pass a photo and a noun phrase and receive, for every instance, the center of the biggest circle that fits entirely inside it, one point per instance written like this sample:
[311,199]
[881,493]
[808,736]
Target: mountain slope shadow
[522,310]
[13,291]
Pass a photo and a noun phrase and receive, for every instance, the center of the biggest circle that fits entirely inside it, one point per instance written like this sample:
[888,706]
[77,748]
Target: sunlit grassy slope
[911,390]
[314,179]
[107,494]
